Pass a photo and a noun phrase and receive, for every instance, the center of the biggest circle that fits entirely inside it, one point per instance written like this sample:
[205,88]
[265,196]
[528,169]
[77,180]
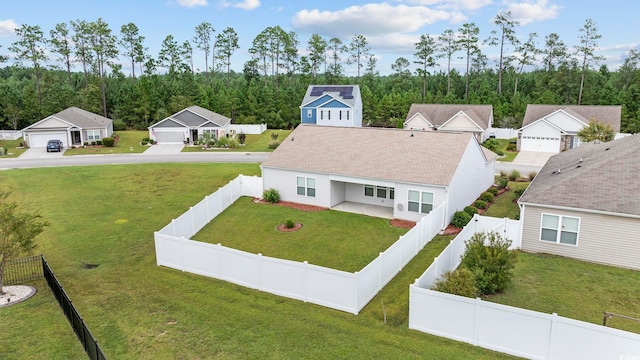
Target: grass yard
[106,215]
[329,238]
[253,143]
[11,147]
[576,289]
[504,205]
[508,155]
[129,142]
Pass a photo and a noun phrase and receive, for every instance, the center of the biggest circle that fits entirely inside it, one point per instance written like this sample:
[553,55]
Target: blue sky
[391,27]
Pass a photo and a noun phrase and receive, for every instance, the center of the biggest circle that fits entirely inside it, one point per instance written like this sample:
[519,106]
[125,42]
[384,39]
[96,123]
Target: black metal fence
[21,270]
[84,335]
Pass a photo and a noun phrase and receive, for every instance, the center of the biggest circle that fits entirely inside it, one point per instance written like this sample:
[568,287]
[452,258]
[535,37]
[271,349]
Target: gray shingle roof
[195,116]
[606,180]
[375,153]
[609,114]
[355,93]
[83,119]
[438,114]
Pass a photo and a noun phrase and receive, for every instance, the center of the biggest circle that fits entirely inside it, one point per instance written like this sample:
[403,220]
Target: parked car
[54,145]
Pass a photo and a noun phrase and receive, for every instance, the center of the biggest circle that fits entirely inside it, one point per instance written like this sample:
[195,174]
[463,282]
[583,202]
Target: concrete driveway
[532,158]
[40,153]
[163,149]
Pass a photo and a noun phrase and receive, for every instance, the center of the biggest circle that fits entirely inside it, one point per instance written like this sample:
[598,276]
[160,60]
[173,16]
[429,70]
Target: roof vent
[606,149]
[556,172]
[580,160]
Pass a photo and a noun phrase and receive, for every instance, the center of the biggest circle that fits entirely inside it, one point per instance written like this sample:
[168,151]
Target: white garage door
[541,144]
[169,137]
[41,139]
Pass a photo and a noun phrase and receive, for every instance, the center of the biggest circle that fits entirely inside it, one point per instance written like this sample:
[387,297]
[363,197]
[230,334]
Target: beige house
[554,128]
[584,204]
[73,126]
[475,119]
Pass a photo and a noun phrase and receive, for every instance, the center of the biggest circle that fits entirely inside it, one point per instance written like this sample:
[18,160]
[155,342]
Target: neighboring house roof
[346,94]
[79,118]
[193,117]
[608,114]
[438,114]
[377,153]
[594,176]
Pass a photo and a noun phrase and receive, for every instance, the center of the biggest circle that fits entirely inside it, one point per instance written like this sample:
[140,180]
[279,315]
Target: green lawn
[508,155]
[504,204]
[106,215]
[328,238]
[11,147]
[253,143]
[129,142]
[574,289]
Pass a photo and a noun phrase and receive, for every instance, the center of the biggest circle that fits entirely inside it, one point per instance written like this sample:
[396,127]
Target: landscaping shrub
[514,175]
[460,282]
[119,125]
[532,175]
[108,141]
[274,136]
[460,219]
[493,190]
[512,147]
[274,144]
[242,137]
[272,195]
[519,192]
[503,173]
[499,152]
[491,144]
[85,143]
[233,143]
[222,142]
[488,257]
[99,142]
[289,224]
[486,196]
[480,204]
[93,143]
[151,141]
[502,182]
[471,210]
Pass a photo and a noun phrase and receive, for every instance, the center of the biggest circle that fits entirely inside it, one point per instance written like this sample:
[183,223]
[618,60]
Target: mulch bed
[404,224]
[303,207]
[284,228]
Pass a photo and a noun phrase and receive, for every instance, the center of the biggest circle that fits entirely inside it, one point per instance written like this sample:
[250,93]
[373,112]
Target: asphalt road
[82,160]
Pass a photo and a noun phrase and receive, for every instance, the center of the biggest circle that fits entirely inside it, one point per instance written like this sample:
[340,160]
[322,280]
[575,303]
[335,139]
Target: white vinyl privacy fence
[10,134]
[250,129]
[336,289]
[504,328]
[504,133]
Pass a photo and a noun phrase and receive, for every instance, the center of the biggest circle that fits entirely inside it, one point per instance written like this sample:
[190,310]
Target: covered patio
[365,209]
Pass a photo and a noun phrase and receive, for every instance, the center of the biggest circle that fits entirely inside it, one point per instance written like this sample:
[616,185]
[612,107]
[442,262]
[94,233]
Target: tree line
[79,64]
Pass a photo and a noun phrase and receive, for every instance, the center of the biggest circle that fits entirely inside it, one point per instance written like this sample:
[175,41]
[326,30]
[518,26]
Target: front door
[75,138]
[194,135]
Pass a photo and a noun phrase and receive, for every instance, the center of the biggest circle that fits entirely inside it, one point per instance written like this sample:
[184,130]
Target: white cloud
[192,3]
[531,11]
[370,19]
[245,4]
[7,27]
[456,5]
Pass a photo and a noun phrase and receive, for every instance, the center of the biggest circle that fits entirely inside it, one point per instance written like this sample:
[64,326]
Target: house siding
[460,123]
[605,239]
[565,122]
[473,176]
[418,123]
[402,198]
[355,193]
[285,182]
[306,117]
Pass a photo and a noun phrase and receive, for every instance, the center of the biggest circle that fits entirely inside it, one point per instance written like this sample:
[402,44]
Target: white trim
[465,115]
[558,207]
[559,230]
[420,115]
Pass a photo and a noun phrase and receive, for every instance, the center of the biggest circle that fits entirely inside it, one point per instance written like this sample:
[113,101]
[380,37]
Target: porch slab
[365,209]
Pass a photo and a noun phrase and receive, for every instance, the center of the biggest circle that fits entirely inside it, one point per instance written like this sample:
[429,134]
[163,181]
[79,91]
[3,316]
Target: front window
[381,192]
[306,186]
[559,229]
[93,135]
[420,202]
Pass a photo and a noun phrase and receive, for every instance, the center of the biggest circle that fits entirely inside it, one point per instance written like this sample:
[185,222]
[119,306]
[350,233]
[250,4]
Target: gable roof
[605,180]
[608,114]
[79,118]
[438,114]
[195,116]
[346,94]
[420,157]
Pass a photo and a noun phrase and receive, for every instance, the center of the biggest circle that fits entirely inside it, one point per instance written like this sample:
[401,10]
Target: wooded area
[272,84]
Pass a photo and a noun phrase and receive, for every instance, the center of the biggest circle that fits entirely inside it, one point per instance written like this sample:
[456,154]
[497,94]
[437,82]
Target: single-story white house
[72,126]
[554,128]
[584,204]
[476,119]
[188,125]
[407,173]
